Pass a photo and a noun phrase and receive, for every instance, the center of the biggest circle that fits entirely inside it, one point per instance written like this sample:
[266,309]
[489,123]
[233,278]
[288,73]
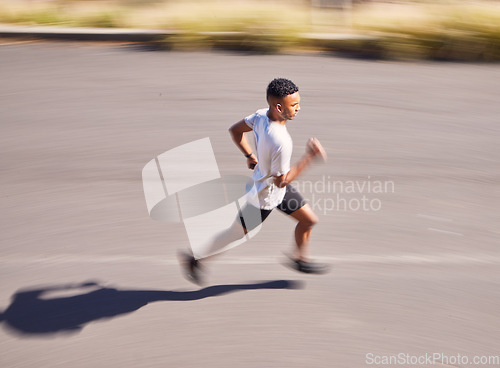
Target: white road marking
[434,218]
[444,231]
[395,259]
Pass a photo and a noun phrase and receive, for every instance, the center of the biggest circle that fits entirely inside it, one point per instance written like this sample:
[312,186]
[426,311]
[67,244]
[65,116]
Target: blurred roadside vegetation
[439,30]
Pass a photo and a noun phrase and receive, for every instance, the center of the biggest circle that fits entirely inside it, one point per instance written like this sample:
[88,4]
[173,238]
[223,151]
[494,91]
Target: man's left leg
[306,220]
[295,205]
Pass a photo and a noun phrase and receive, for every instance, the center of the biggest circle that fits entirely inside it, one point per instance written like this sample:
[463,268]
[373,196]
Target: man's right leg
[248,219]
[192,266]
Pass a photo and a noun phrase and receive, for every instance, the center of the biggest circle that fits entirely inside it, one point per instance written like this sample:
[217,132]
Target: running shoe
[191,267]
[309,267]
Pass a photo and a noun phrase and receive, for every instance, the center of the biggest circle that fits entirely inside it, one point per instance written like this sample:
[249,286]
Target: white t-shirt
[274,152]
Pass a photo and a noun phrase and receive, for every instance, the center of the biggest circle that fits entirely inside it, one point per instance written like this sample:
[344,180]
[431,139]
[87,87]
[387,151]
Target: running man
[272,176]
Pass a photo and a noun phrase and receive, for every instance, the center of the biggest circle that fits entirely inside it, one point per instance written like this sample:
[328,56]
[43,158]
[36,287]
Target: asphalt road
[89,280]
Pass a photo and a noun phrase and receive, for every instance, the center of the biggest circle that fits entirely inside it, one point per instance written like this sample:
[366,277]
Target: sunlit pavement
[408,208]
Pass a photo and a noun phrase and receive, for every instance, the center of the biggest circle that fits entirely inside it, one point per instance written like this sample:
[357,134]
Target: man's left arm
[237,132]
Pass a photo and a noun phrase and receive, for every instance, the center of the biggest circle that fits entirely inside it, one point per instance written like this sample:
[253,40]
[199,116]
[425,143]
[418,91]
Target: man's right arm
[237,131]
[313,149]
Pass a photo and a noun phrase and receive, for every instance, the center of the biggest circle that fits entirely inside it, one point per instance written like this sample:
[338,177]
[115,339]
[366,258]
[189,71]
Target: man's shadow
[33,312]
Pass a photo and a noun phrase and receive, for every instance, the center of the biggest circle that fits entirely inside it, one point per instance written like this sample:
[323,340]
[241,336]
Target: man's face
[290,106]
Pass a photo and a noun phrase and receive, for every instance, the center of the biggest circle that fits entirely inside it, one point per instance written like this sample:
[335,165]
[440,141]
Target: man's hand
[251,162]
[315,148]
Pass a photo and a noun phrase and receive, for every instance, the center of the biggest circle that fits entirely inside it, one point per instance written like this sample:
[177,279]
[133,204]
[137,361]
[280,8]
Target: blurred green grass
[460,30]
[201,15]
[439,30]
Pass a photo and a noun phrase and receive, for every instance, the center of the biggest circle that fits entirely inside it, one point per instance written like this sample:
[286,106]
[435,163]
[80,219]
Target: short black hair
[281,87]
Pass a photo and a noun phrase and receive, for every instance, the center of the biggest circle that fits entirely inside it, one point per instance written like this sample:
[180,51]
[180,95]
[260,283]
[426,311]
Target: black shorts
[250,217]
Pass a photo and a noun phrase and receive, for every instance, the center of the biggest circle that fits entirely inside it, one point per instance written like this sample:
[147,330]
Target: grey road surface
[408,206]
